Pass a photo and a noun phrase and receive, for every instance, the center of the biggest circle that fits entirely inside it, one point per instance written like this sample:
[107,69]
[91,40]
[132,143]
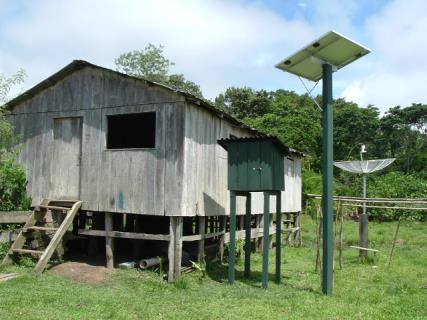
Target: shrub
[12,186]
[12,176]
[396,185]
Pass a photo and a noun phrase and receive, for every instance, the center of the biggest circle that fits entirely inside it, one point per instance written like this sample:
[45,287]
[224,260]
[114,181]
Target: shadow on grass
[219,273]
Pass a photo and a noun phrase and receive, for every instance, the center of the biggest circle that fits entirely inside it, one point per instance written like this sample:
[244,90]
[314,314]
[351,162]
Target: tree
[404,136]
[151,64]
[244,102]
[6,84]
[294,119]
[12,176]
[354,126]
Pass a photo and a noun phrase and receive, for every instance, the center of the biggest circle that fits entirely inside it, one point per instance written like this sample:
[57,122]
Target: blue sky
[219,43]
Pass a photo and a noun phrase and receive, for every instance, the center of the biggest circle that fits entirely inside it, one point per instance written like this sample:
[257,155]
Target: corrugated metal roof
[262,137]
[80,64]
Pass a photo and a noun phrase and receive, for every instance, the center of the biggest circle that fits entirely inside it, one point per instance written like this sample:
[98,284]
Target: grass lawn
[361,291]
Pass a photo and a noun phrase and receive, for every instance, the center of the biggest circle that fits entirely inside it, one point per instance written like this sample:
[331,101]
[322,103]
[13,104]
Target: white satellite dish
[363,166]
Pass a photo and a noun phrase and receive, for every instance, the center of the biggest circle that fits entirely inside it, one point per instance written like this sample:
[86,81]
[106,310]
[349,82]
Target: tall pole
[327,175]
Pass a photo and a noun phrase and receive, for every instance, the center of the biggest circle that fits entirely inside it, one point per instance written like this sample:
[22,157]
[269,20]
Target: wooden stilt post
[137,244]
[240,225]
[232,244]
[258,224]
[76,225]
[222,227]
[130,223]
[82,220]
[265,243]
[248,236]
[95,242]
[261,226]
[202,232]
[175,248]
[270,238]
[109,241]
[278,236]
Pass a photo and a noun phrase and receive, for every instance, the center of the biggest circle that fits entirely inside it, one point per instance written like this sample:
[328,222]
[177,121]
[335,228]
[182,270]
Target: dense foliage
[397,185]
[401,133]
[12,176]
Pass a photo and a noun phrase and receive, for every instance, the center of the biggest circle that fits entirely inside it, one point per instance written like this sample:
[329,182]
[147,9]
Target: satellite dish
[364,166]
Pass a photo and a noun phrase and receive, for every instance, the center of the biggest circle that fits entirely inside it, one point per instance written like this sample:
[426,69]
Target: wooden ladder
[33,224]
[293,228]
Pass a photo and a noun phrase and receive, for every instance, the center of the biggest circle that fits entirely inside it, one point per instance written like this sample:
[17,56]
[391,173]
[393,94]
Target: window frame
[129,114]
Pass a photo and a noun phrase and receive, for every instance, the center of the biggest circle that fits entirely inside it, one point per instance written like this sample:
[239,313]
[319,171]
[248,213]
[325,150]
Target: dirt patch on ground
[82,272]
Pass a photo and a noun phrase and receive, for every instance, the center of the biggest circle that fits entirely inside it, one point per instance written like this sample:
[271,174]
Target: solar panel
[332,48]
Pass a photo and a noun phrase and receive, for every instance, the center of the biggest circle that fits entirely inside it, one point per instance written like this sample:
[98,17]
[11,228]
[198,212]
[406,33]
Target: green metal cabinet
[255,164]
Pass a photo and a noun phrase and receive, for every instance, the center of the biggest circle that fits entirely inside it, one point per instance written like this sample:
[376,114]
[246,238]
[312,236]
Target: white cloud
[219,43]
[214,43]
[398,65]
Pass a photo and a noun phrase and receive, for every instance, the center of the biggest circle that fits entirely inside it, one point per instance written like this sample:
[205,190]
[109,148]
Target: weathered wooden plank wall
[205,169]
[111,180]
[185,174]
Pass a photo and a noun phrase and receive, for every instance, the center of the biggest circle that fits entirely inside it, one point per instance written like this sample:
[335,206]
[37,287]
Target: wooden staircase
[37,223]
[293,228]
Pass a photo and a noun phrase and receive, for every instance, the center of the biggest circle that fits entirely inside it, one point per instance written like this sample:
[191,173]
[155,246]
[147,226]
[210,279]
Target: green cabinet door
[267,154]
[254,165]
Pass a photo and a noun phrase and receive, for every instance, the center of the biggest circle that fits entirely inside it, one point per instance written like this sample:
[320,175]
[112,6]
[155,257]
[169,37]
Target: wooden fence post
[202,232]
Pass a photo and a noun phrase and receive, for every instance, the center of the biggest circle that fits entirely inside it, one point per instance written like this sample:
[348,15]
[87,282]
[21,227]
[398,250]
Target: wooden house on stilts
[142,158]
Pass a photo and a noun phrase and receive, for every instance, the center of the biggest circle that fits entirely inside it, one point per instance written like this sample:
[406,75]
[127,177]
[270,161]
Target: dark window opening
[130,131]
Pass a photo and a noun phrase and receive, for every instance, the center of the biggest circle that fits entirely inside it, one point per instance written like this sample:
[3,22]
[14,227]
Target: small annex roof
[76,65]
[279,144]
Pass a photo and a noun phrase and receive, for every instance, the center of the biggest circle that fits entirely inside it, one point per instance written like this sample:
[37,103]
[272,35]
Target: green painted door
[254,165]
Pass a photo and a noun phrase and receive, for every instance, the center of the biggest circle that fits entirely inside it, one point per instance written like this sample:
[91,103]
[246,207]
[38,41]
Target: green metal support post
[248,236]
[265,242]
[327,175]
[232,244]
[278,236]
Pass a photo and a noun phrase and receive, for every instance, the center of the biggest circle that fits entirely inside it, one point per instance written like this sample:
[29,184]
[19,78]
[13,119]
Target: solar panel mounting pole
[327,176]
[317,61]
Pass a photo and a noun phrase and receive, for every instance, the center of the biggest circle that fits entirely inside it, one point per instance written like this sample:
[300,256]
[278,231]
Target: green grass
[361,290]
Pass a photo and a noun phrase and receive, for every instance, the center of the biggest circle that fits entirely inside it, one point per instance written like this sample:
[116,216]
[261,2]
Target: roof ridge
[78,64]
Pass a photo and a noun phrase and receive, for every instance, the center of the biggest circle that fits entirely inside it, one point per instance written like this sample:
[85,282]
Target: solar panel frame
[332,48]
